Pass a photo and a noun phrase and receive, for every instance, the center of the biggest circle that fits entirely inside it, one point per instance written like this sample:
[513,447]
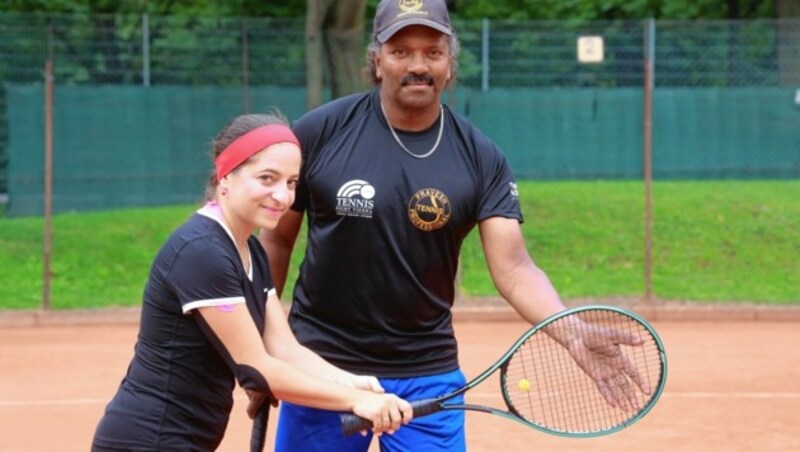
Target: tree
[334,35]
[788,42]
[788,8]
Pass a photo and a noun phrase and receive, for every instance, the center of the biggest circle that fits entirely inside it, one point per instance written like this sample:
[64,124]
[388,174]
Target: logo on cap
[393,15]
[410,6]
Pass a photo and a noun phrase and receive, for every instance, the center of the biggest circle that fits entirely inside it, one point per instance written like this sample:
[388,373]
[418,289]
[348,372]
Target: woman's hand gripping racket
[258,436]
[262,403]
[586,371]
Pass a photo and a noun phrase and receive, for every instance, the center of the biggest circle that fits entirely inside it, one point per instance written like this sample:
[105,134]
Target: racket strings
[544,384]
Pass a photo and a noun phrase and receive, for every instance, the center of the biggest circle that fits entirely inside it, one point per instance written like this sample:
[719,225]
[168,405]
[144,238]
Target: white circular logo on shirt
[367,191]
[354,199]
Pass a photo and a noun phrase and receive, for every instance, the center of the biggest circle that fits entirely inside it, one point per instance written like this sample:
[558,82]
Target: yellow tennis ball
[524,384]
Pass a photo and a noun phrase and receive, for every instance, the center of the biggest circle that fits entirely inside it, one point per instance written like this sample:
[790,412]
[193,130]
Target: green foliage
[714,241]
[464,9]
[228,8]
[108,48]
[615,9]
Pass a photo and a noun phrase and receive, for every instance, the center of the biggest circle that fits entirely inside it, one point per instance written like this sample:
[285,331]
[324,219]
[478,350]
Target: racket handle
[259,435]
[352,423]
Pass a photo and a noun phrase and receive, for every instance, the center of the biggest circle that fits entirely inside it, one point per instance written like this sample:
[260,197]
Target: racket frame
[428,406]
[505,359]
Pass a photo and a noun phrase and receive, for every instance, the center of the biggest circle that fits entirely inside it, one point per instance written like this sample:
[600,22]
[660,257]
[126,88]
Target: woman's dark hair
[235,128]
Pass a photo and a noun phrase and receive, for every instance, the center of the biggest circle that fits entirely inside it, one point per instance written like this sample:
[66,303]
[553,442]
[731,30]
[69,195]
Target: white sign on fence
[590,49]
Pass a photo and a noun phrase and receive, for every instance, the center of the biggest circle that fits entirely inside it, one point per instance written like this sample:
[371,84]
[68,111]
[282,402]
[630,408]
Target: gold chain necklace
[397,138]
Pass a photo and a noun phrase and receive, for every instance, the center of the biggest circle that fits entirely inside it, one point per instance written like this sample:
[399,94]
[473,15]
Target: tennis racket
[594,389]
[259,434]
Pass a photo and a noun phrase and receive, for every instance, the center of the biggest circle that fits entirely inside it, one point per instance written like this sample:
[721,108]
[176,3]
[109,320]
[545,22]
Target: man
[392,182]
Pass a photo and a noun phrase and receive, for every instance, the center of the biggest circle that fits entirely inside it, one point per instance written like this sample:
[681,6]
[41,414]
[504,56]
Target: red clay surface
[732,386]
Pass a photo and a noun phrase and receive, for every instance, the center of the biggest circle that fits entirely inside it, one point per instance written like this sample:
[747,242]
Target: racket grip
[259,434]
[352,423]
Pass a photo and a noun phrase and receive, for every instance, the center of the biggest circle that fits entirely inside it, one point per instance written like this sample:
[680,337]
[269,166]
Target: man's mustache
[416,78]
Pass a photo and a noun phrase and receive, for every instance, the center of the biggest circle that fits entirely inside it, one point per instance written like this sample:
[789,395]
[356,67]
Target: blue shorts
[309,429]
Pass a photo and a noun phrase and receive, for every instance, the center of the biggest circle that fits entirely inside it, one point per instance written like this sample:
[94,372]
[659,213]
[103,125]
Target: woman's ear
[224,185]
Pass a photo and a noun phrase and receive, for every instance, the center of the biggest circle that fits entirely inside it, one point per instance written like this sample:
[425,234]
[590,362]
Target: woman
[211,316]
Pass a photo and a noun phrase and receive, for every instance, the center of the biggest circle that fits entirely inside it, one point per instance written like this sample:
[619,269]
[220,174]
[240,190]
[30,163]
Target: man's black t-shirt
[384,234]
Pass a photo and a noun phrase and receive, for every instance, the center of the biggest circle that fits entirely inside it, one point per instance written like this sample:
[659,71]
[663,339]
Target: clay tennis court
[733,384]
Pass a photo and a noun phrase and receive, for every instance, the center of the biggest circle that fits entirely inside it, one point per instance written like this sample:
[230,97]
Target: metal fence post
[485,55]
[245,68]
[649,57]
[145,50]
[48,171]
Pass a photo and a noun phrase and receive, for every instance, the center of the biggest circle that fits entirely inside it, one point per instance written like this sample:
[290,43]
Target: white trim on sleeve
[212,302]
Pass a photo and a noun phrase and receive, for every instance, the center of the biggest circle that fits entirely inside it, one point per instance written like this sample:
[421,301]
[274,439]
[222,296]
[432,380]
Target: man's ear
[377,59]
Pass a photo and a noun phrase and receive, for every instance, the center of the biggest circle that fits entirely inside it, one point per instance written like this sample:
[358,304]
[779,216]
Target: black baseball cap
[394,15]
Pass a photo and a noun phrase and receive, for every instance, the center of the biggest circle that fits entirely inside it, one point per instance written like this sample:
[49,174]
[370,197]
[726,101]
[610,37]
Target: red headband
[250,143]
